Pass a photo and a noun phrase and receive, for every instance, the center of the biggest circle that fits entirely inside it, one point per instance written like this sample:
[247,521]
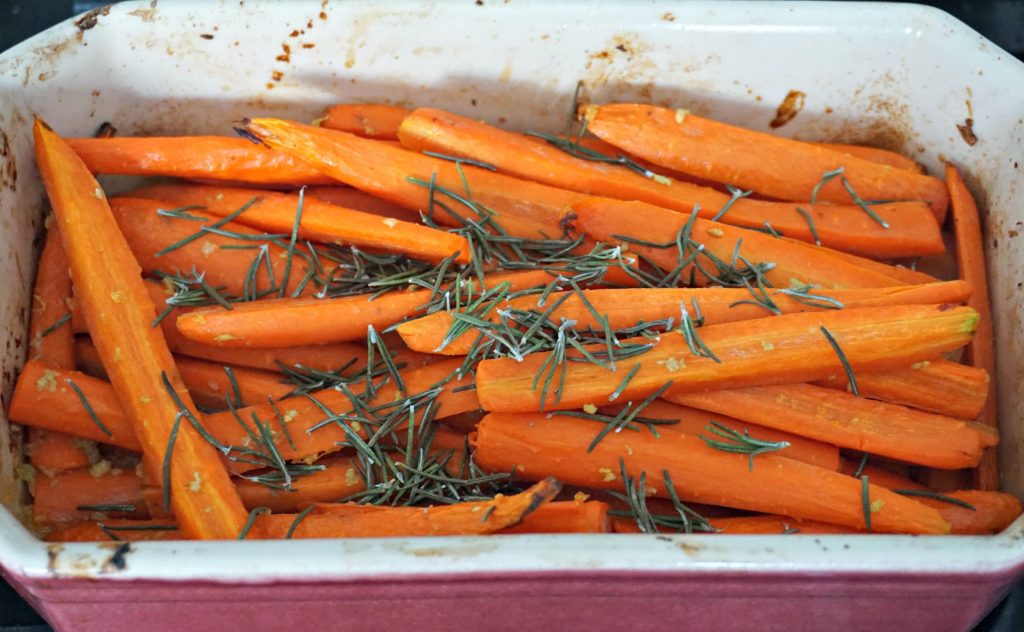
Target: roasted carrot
[768,524]
[637,224]
[537,446]
[903,274]
[848,421]
[874,154]
[120,313]
[76,494]
[783,349]
[207,157]
[108,529]
[567,516]
[369,120]
[911,228]
[774,166]
[937,386]
[970,254]
[319,221]
[623,308]
[361,201]
[54,452]
[303,321]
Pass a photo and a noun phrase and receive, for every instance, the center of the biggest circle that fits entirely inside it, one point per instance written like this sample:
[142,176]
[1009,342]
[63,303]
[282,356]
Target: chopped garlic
[607,474]
[590,409]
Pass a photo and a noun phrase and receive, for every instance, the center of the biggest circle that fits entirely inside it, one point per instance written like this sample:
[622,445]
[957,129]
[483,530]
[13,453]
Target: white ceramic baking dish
[900,76]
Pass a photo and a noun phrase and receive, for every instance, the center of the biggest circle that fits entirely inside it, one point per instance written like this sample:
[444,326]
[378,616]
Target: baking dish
[899,76]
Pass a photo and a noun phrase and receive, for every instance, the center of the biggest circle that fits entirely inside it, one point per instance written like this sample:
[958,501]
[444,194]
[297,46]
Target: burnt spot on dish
[791,105]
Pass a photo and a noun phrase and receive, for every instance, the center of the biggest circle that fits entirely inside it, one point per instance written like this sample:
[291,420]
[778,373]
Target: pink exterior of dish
[900,76]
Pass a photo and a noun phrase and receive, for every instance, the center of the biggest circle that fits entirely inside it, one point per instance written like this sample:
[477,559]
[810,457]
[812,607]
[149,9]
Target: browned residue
[967,131]
[669,17]
[90,19]
[277,75]
[9,173]
[146,15]
[286,56]
[788,109]
[206,36]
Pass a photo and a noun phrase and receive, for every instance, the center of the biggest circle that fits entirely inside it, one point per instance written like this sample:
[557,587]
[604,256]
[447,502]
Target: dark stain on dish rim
[967,132]
[788,109]
[91,18]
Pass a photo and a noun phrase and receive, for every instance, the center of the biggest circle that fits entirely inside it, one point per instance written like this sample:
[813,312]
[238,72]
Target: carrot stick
[970,254]
[769,524]
[852,422]
[537,446]
[58,500]
[54,452]
[614,221]
[127,530]
[119,313]
[361,521]
[912,230]
[903,274]
[207,157]
[777,167]
[320,221]
[694,422]
[624,308]
[369,120]
[937,386]
[876,155]
[567,516]
[525,209]
[303,321]
[783,349]
[354,198]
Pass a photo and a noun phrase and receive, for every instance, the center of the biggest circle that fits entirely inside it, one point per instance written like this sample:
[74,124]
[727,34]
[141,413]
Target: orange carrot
[852,422]
[537,446]
[566,517]
[874,154]
[54,452]
[126,530]
[777,167]
[369,120]
[303,321]
[75,494]
[903,274]
[320,221]
[624,308]
[911,228]
[970,253]
[769,524]
[208,157]
[354,198]
[937,386]
[120,313]
[795,263]
[783,349]
[525,209]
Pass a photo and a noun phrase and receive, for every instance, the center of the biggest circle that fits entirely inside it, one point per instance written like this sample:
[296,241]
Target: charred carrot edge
[369,120]
[286,322]
[874,154]
[57,500]
[536,446]
[848,421]
[628,307]
[207,157]
[107,529]
[937,386]
[120,313]
[320,221]
[783,349]
[970,255]
[615,221]
[777,167]
[567,516]
[911,229]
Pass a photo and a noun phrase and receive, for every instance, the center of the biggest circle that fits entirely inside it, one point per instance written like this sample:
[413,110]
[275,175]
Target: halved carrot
[903,274]
[304,321]
[120,313]
[623,308]
[566,516]
[874,154]
[784,349]
[319,221]
[774,166]
[369,120]
[105,531]
[761,524]
[536,446]
[615,221]
[911,230]
[362,201]
[970,253]
[53,452]
[76,494]
[207,157]
[848,421]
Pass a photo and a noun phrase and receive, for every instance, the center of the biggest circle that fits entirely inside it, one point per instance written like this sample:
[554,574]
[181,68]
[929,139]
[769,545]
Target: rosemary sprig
[737,194]
[861,465]
[810,224]
[251,520]
[850,377]
[55,326]
[166,469]
[464,161]
[106,508]
[740,442]
[862,204]
[688,328]
[926,493]
[865,501]
[826,177]
[298,519]
[88,408]
[683,520]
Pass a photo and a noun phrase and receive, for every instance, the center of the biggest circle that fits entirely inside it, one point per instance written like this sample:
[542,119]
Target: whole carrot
[369,120]
[774,166]
[119,313]
[537,446]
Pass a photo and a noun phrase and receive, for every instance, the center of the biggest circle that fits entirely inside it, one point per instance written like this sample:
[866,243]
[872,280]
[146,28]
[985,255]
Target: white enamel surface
[899,76]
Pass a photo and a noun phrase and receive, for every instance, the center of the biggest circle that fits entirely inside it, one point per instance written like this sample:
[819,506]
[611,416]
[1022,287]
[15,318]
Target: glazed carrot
[120,315]
[54,452]
[795,263]
[777,167]
[71,496]
[525,209]
[624,308]
[537,446]
[937,386]
[320,221]
[567,516]
[848,421]
[303,321]
[768,524]
[879,476]
[208,157]
[127,530]
[970,253]
[339,479]
[362,521]
[874,154]
[783,349]
[903,274]
[354,198]
[912,230]
[369,120]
